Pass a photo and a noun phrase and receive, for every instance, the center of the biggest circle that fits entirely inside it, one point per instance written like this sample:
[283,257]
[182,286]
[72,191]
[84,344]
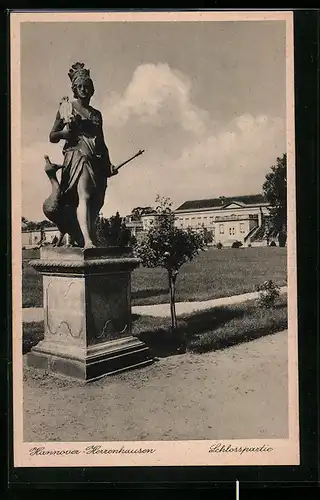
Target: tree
[112,232]
[137,212]
[167,246]
[46,223]
[35,225]
[275,191]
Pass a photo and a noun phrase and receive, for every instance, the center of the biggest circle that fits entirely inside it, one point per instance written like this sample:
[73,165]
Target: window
[221,228]
[232,231]
[241,228]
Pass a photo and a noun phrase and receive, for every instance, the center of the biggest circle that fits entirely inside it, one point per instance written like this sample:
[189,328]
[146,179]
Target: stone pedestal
[87,313]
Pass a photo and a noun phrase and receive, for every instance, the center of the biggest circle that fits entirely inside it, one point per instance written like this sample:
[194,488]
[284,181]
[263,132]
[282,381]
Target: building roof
[45,229]
[252,199]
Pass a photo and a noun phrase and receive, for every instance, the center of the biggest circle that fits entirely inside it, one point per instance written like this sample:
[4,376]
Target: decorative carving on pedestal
[105,329]
[76,334]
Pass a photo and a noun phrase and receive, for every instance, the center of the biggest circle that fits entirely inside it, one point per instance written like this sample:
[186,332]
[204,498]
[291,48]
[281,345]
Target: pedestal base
[87,314]
[106,359]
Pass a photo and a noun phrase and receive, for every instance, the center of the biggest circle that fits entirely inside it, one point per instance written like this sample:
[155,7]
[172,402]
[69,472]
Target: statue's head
[81,83]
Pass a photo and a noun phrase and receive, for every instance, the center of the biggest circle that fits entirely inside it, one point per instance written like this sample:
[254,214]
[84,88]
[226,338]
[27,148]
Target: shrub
[269,292]
[113,232]
[273,244]
[236,244]
[219,245]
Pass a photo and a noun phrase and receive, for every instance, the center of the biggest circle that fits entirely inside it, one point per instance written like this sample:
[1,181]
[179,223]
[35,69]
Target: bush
[113,232]
[236,244]
[219,245]
[269,292]
[273,244]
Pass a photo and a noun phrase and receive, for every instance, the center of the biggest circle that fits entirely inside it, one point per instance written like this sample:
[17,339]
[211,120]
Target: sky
[205,100]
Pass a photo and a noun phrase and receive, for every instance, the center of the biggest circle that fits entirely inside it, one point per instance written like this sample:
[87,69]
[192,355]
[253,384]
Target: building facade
[228,220]
[135,227]
[32,238]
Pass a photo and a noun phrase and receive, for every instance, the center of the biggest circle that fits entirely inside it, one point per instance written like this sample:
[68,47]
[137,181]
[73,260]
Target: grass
[30,253]
[31,287]
[32,333]
[209,330]
[212,329]
[213,274]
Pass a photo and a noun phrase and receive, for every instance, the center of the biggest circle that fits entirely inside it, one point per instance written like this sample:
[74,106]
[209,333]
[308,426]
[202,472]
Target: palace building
[229,220]
[33,238]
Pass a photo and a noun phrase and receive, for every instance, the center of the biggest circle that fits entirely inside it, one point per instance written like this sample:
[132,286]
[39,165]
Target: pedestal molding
[84,266]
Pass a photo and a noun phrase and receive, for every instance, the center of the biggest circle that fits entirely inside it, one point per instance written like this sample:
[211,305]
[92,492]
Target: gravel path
[240,392]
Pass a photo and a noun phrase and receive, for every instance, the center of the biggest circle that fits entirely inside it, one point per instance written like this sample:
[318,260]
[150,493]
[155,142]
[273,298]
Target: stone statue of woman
[75,203]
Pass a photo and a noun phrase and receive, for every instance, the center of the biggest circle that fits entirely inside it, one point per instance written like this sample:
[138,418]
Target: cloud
[157,95]
[233,161]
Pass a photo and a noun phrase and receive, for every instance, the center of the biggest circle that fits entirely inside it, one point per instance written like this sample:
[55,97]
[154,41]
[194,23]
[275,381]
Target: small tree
[275,191]
[167,246]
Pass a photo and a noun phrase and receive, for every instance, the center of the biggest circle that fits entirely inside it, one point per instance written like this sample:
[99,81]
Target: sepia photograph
[153,239]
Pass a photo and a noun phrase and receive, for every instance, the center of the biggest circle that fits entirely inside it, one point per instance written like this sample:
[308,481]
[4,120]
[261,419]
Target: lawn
[208,330]
[213,274]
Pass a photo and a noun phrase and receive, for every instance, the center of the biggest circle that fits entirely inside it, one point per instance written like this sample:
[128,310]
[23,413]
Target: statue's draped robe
[85,151]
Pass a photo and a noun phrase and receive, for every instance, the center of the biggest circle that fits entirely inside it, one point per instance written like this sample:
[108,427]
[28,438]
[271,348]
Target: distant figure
[75,203]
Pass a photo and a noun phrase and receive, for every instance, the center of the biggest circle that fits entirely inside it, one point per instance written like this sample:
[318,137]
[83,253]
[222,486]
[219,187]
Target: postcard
[154,283]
